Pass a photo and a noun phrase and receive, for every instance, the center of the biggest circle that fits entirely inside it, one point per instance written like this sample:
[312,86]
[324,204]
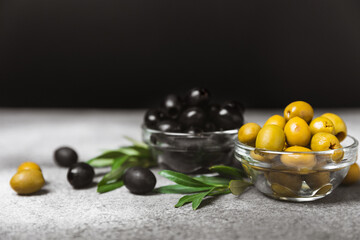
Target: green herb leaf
[229,172]
[237,187]
[116,174]
[110,186]
[182,179]
[196,199]
[221,191]
[118,162]
[214,181]
[181,189]
[136,142]
[100,162]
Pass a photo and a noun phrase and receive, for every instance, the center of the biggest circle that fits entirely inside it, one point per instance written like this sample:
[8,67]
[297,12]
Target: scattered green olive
[27,181]
[339,125]
[299,109]
[322,124]
[271,137]
[353,175]
[276,120]
[248,132]
[297,132]
[28,165]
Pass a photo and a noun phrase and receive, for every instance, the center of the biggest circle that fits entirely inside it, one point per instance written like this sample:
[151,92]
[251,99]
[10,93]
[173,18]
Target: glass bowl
[190,153]
[297,176]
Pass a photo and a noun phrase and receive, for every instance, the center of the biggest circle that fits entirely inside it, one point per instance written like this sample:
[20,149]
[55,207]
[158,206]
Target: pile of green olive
[296,131]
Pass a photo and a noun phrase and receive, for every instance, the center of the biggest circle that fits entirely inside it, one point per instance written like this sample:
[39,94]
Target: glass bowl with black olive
[297,176]
[190,133]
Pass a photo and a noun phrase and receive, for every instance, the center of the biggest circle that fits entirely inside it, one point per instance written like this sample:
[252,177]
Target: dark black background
[129,53]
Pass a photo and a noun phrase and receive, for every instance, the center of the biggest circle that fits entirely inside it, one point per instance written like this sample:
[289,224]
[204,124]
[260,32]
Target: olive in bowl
[199,135]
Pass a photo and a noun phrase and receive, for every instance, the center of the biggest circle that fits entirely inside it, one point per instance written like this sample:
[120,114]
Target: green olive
[317,180]
[290,181]
[28,165]
[301,161]
[322,124]
[326,141]
[299,109]
[27,181]
[276,120]
[271,137]
[339,125]
[353,175]
[247,133]
[297,132]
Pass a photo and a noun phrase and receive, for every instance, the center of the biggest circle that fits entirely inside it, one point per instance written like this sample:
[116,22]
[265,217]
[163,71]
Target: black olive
[153,117]
[209,127]
[227,119]
[234,106]
[213,110]
[139,180]
[193,117]
[65,156]
[197,97]
[194,130]
[168,126]
[80,175]
[172,105]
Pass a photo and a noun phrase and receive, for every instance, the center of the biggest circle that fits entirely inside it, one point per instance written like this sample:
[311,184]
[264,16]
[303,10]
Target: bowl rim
[241,145]
[201,134]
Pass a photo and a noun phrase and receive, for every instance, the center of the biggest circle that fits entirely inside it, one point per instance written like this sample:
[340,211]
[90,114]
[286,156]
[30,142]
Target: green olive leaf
[196,199]
[237,187]
[214,181]
[182,179]
[229,172]
[110,186]
[181,189]
[136,142]
[118,162]
[101,162]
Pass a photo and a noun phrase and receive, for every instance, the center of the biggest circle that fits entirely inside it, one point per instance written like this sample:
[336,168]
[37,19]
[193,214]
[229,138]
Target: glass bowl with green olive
[297,176]
[190,133]
[296,157]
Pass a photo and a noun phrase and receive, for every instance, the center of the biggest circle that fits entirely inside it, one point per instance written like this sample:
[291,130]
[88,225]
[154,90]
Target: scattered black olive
[227,119]
[65,156]
[80,175]
[193,116]
[197,97]
[153,117]
[172,105]
[139,180]
[168,126]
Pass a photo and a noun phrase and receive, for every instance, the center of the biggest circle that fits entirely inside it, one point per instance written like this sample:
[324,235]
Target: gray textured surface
[59,212]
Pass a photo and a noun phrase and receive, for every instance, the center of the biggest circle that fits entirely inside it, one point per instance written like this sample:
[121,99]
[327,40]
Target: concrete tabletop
[60,212]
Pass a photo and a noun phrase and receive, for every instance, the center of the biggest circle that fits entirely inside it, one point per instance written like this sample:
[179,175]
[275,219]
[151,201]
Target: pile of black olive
[194,113]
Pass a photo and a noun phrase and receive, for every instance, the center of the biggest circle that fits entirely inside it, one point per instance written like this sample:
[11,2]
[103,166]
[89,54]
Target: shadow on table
[342,194]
